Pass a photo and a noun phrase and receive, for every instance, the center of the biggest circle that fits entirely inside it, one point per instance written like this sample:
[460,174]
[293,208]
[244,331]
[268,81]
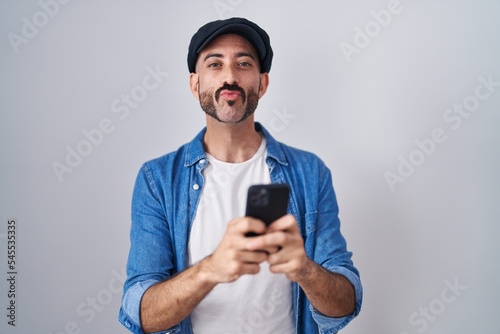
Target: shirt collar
[195,150]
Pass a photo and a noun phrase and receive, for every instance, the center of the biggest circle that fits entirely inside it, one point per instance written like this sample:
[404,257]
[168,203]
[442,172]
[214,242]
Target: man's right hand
[231,258]
[228,262]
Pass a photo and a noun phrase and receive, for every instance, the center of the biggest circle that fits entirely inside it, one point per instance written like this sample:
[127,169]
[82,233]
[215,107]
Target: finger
[292,248]
[250,269]
[236,269]
[252,246]
[279,268]
[271,249]
[245,225]
[285,223]
[252,257]
[282,256]
[267,250]
[272,241]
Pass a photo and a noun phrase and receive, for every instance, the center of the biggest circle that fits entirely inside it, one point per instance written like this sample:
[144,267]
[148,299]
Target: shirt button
[196,186]
[202,161]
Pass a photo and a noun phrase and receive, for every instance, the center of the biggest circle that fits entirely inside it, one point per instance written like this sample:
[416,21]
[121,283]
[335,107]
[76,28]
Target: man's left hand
[290,258]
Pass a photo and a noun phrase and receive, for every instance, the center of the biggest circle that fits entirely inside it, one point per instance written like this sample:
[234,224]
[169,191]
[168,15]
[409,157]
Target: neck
[231,142]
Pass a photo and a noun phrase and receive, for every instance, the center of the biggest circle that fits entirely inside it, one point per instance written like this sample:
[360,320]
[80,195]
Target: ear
[264,83]
[193,84]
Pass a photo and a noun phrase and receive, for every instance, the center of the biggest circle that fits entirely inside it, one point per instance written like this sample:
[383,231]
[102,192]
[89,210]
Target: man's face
[228,82]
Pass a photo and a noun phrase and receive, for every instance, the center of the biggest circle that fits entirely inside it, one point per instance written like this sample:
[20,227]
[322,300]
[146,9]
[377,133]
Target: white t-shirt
[260,303]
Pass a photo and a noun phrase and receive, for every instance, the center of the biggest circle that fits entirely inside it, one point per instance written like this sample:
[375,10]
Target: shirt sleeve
[331,324]
[330,251]
[150,258]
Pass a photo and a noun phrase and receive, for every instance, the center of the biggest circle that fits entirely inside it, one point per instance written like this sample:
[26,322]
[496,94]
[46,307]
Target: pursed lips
[230,94]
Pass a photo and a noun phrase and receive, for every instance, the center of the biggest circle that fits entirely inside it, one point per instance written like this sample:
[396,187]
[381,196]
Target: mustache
[230,87]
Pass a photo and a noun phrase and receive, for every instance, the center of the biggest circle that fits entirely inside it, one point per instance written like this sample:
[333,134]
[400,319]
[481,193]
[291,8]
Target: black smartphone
[267,202]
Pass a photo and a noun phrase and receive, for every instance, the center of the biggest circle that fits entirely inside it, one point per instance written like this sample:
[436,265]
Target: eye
[214,65]
[244,63]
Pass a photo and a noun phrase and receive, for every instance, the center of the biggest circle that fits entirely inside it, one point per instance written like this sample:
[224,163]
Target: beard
[249,100]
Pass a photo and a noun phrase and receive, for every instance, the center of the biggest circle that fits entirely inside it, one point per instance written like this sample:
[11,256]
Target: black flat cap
[235,25]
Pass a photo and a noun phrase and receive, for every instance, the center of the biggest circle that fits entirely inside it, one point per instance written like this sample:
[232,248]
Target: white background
[361,113]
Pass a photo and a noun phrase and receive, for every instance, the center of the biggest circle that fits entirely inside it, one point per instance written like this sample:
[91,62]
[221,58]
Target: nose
[229,75]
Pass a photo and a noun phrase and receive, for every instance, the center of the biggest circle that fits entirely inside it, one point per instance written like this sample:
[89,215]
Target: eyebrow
[238,55]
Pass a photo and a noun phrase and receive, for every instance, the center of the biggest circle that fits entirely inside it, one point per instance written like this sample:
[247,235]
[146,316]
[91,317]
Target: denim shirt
[164,202]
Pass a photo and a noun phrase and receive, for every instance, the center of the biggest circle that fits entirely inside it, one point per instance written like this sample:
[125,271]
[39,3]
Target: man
[192,268]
